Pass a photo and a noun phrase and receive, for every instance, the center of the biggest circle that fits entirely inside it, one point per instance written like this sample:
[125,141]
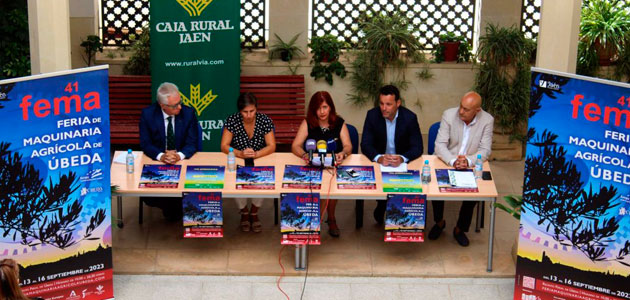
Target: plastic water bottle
[478,167]
[231,161]
[129,161]
[426,173]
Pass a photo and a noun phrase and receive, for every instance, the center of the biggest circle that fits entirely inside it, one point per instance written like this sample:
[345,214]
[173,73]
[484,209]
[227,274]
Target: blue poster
[405,217]
[203,214]
[55,197]
[575,223]
[299,219]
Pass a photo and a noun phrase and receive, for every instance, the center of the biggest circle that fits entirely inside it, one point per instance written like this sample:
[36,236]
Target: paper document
[401,168]
[462,179]
[122,157]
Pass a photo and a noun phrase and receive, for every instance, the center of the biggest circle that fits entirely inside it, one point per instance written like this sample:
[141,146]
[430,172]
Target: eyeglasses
[174,105]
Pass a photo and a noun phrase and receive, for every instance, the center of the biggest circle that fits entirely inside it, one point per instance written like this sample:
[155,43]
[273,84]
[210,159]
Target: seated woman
[10,281]
[250,134]
[323,123]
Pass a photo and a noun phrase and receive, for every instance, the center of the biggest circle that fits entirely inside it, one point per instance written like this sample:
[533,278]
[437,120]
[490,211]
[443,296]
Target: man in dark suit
[391,136]
[169,132]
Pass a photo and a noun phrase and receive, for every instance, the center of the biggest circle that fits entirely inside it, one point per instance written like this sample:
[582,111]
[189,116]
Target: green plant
[15,55]
[380,48]
[90,47]
[588,62]
[503,78]
[327,70]
[140,61]
[623,64]
[515,205]
[605,25]
[285,50]
[326,48]
[463,51]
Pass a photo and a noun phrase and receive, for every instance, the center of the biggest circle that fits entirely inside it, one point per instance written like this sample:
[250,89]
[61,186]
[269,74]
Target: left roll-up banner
[55,195]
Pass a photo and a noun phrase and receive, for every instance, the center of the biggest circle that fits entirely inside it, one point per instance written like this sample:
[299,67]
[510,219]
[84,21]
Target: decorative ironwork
[123,19]
[428,18]
[252,23]
[530,18]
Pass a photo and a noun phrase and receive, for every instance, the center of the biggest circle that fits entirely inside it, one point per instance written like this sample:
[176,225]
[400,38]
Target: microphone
[332,148]
[310,147]
[322,149]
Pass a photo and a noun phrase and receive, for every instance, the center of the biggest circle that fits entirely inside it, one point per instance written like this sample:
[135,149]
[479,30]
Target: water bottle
[129,161]
[478,167]
[426,173]
[231,160]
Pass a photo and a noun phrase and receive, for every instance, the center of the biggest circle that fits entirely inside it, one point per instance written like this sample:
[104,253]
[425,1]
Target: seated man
[391,136]
[464,133]
[169,132]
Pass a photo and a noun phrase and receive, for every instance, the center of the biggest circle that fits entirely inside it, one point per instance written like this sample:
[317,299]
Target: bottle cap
[231,149]
[479,156]
[128,150]
[426,161]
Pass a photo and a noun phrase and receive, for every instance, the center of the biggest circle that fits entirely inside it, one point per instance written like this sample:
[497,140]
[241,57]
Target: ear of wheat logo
[196,101]
[194,7]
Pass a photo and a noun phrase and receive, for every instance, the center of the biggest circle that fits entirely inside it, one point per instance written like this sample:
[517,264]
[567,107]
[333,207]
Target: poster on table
[55,196]
[204,177]
[196,46]
[575,224]
[202,215]
[356,177]
[299,219]
[405,217]
[255,178]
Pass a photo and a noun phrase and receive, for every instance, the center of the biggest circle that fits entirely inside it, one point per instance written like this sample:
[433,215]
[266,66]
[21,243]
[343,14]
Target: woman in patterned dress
[250,134]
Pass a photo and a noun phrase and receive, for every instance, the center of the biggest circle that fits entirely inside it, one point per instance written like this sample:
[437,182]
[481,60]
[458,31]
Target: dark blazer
[408,139]
[153,131]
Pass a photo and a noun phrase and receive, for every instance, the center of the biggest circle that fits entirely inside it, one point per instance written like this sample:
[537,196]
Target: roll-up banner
[575,225]
[195,44]
[55,196]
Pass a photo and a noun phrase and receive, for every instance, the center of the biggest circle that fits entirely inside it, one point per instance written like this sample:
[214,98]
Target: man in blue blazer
[169,132]
[391,136]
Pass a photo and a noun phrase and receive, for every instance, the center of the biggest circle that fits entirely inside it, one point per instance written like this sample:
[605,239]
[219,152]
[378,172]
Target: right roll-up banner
[575,225]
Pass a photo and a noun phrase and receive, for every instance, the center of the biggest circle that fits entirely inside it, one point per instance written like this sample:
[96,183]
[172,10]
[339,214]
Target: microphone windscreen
[321,146]
[310,145]
[332,146]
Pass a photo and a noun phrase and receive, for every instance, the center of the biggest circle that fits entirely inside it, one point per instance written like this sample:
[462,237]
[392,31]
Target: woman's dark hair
[10,281]
[390,90]
[245,99]
[316,100]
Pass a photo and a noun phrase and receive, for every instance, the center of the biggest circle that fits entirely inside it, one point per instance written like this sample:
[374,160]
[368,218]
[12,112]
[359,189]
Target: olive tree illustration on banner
[35,212]
[572,212]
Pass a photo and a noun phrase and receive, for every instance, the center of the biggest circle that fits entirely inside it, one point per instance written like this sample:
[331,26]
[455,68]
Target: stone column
[288,18]
[558,35]
[49,35]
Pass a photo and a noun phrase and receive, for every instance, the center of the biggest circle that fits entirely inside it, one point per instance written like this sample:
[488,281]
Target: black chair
[358,204]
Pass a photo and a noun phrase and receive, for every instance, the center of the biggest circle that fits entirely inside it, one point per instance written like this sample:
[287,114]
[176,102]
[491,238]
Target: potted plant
[286,50]
[326,48]
[514,208]
[605,27]
[452,48]
[90,46]
[140,61]
[384,36]
[503,76]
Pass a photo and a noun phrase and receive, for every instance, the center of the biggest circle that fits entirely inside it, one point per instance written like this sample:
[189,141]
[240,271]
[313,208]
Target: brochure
[405,218]
[356,177]
[203,215]
[302,177]
[299,219]
[160,176]
[402,182]
[204,177]
[456,181]
[255,178]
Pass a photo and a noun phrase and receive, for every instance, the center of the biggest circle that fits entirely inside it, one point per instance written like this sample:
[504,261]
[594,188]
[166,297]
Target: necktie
[170,134]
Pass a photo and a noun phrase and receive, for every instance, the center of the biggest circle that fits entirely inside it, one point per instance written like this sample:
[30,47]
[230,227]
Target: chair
[433,131]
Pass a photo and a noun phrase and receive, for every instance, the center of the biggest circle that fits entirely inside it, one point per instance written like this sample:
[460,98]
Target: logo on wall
[196,101]
[194,7]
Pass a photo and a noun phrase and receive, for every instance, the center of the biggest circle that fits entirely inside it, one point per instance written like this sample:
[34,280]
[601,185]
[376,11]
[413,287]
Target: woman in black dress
[323,123]
[250,134]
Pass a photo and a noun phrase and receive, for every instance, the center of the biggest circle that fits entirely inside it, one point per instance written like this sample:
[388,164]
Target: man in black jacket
[391,136]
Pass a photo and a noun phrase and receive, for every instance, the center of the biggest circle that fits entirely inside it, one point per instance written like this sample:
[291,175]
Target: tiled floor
[157,247]
[298,287]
